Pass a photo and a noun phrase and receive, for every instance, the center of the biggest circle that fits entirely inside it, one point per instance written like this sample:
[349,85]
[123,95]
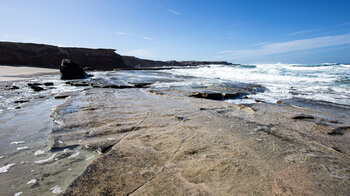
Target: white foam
[46,160]
[32,181]
[1,157]
[56,190]
[39,152]
[308,81]
[6,168]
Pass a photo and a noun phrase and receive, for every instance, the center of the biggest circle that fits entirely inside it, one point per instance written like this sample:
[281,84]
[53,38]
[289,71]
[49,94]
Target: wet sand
[13,73]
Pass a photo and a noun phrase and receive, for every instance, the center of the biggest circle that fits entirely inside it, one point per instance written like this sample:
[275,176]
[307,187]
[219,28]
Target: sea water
[325,82]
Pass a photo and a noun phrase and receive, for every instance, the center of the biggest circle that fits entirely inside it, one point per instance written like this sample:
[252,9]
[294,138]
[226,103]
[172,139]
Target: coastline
[144,141]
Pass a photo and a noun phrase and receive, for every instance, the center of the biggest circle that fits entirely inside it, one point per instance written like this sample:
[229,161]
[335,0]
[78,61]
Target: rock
[48,84]
[231,95]
[339,131]
[35,87]
[216,95]
[208,95]
[61,96]
[11,87]
[21,101]
[302,117]
[70,70]
[140,84]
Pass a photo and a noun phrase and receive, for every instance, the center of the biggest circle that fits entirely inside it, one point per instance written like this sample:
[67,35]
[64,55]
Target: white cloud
[302,32]
[169,10]
[119,33]
[147,38]
[284,47]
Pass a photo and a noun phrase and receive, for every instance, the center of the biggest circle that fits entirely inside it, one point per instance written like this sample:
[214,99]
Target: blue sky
[240,31]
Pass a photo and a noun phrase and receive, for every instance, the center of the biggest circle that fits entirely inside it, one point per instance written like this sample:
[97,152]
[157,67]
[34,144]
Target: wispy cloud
[147,38]
[303,32]
[344,24]
[9,9]
[169,10]
[290,46]
[119,33]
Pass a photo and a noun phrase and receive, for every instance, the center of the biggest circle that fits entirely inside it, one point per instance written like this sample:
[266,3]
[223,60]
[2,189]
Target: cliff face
[144,63]
[48,56]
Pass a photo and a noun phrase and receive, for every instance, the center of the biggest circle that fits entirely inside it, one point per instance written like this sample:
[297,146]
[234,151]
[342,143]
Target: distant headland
[50,56]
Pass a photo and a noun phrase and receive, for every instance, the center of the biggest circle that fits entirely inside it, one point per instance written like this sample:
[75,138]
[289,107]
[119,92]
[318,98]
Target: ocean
[325,82]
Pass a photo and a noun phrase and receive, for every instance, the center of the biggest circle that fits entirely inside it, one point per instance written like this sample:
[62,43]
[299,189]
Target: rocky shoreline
[130,137]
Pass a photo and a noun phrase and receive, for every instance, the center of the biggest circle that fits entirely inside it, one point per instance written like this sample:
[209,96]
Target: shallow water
[27,165]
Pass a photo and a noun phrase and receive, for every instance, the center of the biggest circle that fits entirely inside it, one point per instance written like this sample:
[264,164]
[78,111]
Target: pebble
[56,190]
[32,181]
[17,142]
[18,194]
[39,152]
[74,155]
[22,148]
[6,168]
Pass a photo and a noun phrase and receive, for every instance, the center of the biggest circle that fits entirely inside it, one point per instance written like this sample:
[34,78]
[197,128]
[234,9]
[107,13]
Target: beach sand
[15,73]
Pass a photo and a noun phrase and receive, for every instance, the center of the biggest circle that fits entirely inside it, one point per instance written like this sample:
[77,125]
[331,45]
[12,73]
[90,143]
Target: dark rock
[339,131]
[231,95]
[35,87]
[117,86]
[21,101]
[302,117]
[208,95]
[216,95]
[70,70]
[90,75]
[34,84]
[180,118]
[48,84]
[140,84]
[336,148]
[61,96]
[12,87]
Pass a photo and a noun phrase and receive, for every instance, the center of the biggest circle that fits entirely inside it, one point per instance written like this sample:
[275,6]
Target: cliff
[48,56]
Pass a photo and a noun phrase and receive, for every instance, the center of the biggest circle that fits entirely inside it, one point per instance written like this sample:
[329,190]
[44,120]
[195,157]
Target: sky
[238,31]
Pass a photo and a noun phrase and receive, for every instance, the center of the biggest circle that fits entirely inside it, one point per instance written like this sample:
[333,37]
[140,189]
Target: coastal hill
[49,56]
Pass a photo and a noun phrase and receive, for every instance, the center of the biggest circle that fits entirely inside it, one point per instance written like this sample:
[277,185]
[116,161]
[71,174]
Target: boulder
[71,70]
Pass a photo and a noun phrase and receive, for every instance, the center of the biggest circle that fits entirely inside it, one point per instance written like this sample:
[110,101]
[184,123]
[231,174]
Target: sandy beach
[15,73]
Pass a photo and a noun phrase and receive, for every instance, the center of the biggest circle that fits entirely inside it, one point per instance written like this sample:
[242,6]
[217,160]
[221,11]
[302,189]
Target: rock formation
[71,70]
[48,56]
